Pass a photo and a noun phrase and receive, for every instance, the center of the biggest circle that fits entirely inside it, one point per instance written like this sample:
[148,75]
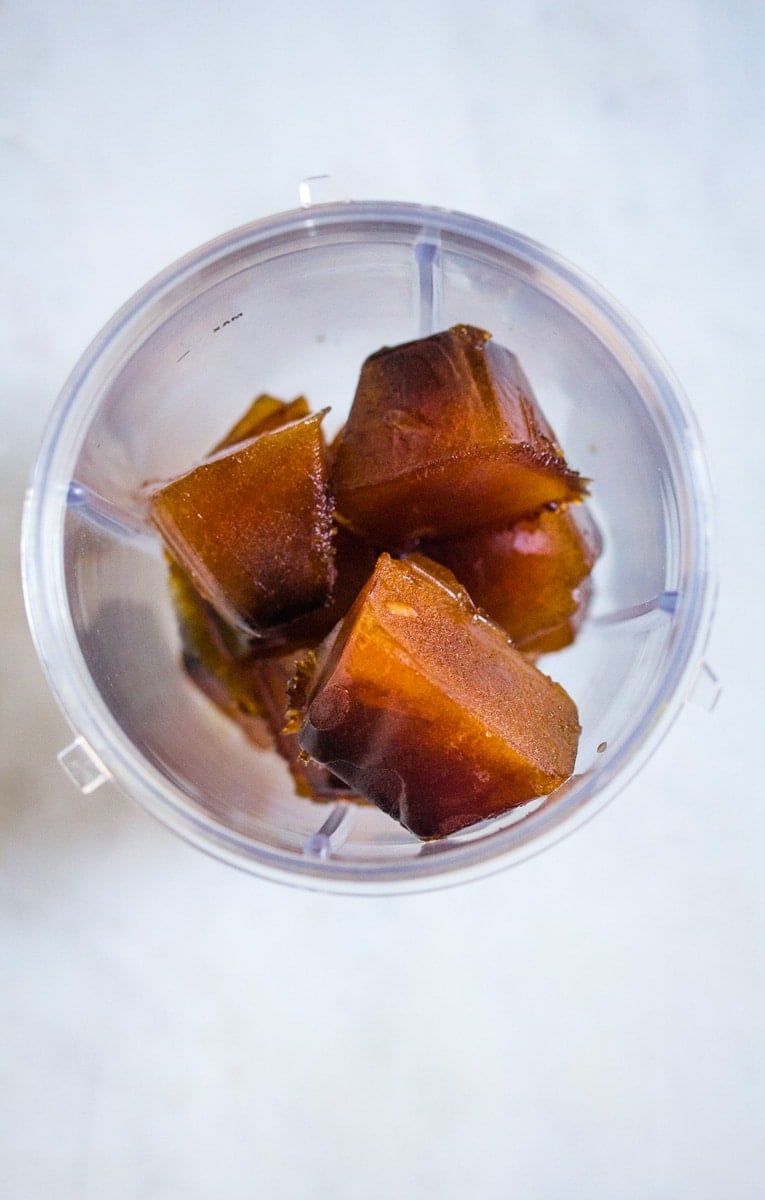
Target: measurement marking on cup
[228,321]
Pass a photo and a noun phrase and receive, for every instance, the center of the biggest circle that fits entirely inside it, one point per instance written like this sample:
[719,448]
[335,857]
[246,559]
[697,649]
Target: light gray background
[588,1024]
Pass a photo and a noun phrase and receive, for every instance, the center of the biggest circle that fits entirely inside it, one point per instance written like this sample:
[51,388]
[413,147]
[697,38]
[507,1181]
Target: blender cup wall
[293,305]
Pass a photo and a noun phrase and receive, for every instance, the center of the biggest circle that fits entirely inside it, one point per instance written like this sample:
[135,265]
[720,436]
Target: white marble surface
[588,1024]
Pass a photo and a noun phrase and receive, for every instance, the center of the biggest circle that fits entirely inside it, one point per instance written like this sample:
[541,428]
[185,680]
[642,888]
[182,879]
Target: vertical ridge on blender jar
[110,518]
[333,832]
[647,612]
[429,276]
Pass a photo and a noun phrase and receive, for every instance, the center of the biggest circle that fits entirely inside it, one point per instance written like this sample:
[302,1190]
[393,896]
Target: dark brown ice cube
[445,435]
[422,705]
[252,527]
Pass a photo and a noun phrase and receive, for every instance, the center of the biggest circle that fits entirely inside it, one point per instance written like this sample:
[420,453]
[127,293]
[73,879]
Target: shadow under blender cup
[293,304]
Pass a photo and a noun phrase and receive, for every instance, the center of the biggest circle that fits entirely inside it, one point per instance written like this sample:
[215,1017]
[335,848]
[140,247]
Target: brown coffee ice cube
[247,677]
[445,435]
[252,526]
[215,658]
[354,558]
[252,690]
[264,414]
[421,704]
[533,579]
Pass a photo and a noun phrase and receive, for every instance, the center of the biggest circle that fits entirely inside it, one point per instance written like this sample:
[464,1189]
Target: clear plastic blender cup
[293,304]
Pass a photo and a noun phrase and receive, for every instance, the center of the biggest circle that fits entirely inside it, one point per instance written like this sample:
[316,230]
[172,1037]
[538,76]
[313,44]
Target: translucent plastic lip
[55,637]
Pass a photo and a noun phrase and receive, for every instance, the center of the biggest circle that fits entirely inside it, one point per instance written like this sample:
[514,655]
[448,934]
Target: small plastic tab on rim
[318,189]
[705,689]
[83,766]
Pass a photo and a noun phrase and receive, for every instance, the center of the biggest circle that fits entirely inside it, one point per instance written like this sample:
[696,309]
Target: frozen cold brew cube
[422,705]
[265,414]
[247,677]
[215,658]
[354,558]
[354,561]
[248,688]
[252,526]
[533,578]
[445,435]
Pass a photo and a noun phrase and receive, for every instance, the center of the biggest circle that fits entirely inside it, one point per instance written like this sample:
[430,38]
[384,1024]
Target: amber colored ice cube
[248,688]
[354,561]
[265,414]
[423,705]
[252,526]
[354,558]
[445,435]
[533,578]
[214,658]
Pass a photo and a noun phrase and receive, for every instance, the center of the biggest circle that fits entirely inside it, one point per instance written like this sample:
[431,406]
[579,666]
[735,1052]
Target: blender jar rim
[55,639]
